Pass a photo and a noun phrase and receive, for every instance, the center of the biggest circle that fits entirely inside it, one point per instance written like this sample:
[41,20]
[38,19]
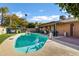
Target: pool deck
[51,48]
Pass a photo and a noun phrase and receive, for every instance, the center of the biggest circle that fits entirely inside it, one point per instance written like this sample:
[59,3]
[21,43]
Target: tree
[7,20]
[71,8]
[14,21]
[31,25]
[3,10]
[23,22]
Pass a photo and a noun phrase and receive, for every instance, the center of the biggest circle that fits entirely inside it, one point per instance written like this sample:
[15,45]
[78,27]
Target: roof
[49,23]
[69,20]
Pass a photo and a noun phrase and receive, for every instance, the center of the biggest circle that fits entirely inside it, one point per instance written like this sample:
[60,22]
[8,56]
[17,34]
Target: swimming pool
[30,42]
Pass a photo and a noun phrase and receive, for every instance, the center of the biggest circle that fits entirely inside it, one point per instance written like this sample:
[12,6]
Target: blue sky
[37,12]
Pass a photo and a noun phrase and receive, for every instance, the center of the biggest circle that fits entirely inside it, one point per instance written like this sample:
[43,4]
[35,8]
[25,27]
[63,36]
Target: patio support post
[55,29]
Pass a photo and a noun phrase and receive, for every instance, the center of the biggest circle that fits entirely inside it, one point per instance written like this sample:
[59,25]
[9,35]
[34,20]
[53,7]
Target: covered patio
[68,41]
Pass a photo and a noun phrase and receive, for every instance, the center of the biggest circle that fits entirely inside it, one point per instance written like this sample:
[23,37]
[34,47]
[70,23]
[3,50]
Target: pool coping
[18,35]
[47,50]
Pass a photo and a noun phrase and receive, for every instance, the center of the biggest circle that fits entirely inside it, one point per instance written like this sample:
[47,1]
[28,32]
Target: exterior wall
[2,30]
[52,27]
[76,29]
[31,29]
[48,27]
[64,27]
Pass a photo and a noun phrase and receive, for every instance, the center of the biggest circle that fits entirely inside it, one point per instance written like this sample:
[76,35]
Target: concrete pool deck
[51,48]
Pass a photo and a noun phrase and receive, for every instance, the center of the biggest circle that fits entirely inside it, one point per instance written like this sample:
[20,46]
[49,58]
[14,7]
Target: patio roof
[69,20]
[49,23]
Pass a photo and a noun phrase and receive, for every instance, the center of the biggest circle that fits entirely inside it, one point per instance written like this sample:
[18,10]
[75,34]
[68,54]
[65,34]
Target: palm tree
[3,10]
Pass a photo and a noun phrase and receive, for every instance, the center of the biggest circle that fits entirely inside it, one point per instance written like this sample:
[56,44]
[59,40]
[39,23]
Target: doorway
[71,29]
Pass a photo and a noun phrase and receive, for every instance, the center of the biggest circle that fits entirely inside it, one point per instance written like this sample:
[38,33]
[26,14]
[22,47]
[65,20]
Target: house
[2,30]
[69,26]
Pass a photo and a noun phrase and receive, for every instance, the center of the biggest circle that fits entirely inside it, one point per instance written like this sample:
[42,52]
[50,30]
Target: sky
[36,12]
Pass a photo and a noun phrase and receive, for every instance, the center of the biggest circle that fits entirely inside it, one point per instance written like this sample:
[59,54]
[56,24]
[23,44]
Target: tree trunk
[2,19]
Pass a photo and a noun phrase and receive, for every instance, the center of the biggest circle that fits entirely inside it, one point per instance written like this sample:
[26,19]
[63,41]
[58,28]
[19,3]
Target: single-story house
[69,26]
[2,30]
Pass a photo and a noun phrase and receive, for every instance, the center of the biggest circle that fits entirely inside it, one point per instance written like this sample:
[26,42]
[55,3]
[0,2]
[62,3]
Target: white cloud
[64,11]
[41,10]
[19,14]
[45,18]
[53,18]
[39,17]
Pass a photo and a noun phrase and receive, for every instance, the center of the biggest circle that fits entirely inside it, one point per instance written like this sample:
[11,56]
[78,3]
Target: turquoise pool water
[30,42]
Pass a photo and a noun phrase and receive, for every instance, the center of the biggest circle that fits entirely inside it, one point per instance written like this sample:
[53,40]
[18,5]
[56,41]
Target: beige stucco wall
[2,30]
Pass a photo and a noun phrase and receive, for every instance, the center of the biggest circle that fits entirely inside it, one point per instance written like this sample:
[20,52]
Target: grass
[4,36]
